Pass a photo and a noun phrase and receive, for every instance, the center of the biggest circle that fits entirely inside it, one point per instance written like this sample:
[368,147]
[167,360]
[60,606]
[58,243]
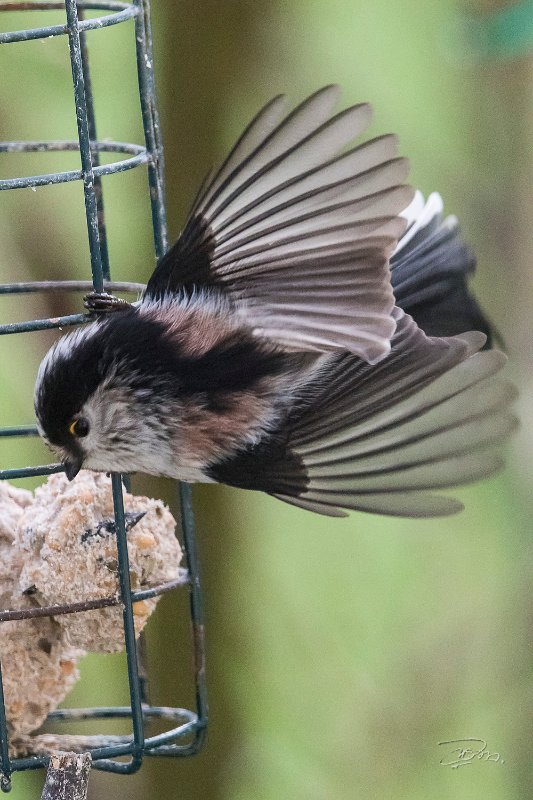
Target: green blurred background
[339,652]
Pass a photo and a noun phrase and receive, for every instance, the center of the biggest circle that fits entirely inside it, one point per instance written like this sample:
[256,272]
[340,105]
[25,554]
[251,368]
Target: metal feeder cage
[186,737]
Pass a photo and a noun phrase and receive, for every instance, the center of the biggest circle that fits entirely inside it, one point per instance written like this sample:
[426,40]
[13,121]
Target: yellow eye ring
[79,427]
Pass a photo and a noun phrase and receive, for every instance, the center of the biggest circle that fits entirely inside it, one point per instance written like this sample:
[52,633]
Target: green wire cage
[186,730]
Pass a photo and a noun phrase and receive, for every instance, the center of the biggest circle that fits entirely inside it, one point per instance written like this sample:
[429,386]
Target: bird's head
[89,410]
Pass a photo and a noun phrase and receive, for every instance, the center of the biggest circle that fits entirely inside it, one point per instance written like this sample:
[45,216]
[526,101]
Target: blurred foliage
[339,652]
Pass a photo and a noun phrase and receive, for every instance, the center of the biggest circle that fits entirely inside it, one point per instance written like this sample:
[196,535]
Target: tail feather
[430,270]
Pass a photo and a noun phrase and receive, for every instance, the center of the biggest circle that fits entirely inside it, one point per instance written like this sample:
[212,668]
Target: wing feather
[287,214]
[382,438]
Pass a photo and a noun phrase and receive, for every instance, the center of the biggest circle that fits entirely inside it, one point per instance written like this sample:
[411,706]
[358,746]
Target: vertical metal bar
[151,125]
[152,132]
[197,614]
[91,116]
[129,628]
[142,656]
[5,772]
[91,208]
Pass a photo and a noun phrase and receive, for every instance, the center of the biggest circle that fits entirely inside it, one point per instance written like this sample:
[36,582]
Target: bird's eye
[79,427]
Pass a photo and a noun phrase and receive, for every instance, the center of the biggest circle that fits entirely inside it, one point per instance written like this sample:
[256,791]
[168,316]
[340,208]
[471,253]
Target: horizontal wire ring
[122,12]
[138,155]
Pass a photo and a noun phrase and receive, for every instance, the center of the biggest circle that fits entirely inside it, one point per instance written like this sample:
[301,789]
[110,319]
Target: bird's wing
[381,438]
[430,270]
[297,235]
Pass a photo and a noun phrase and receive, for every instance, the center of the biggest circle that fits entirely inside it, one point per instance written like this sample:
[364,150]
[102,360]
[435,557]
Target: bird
[310,334]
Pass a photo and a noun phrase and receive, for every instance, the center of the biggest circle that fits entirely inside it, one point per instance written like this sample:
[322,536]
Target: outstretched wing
[296,235]
[381,438]
[430,270]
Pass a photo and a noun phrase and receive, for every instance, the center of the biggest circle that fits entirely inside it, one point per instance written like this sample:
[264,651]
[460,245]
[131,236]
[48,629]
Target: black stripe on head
[72,375]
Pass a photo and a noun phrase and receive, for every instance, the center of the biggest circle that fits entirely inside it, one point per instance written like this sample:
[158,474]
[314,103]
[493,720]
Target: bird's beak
[72,467]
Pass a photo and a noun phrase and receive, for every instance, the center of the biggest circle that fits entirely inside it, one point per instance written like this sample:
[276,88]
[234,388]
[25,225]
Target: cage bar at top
[187,736]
